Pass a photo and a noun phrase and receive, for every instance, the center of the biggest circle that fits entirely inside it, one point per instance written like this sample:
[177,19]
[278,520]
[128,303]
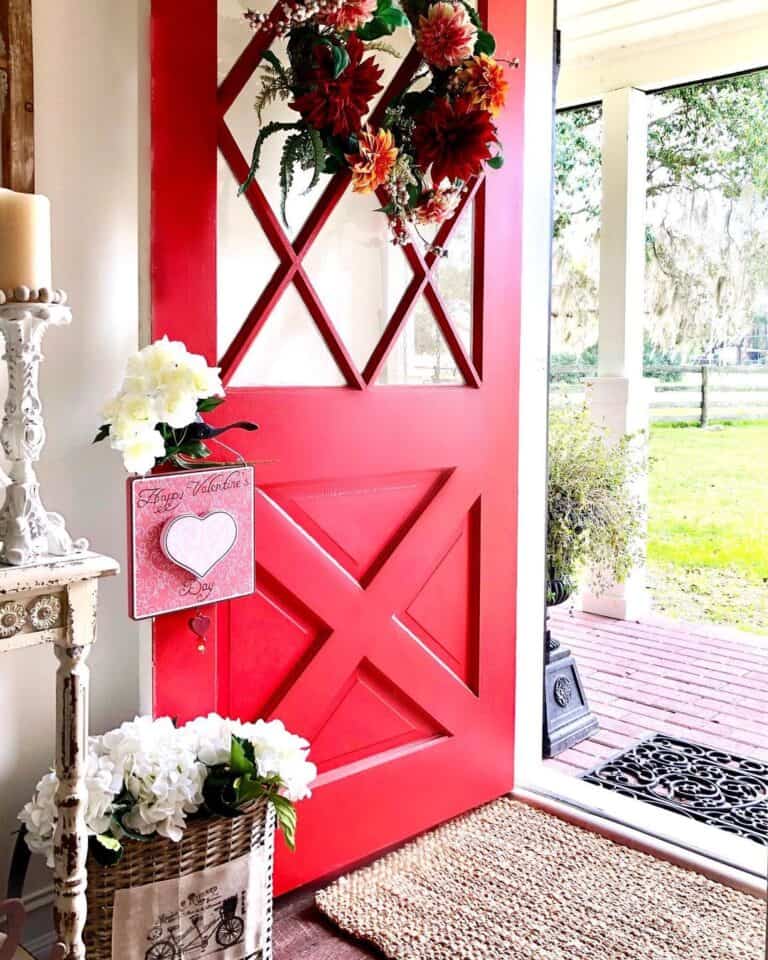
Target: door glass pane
[242,118]
[398,46]
[289,351]
[234,33]
[455,277]
[246,260]
[421,357]
[359,275]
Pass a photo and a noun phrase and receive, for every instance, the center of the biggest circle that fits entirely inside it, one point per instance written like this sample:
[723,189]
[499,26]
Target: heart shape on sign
[197,544]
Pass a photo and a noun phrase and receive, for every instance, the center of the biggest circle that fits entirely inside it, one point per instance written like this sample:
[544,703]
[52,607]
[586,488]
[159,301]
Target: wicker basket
[207,842]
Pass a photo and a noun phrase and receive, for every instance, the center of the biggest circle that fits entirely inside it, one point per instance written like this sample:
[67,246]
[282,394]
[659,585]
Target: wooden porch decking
[702,683]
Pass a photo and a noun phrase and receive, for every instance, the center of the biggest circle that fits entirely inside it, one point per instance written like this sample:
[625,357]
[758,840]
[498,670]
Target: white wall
[86,89]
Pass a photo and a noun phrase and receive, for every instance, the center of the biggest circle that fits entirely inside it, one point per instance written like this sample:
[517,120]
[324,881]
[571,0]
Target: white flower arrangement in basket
[156,417]
[147,777]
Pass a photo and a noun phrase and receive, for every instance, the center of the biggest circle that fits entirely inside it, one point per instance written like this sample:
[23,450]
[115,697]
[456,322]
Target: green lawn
[708,523]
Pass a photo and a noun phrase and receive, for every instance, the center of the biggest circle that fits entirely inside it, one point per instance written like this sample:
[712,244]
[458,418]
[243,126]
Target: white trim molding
[720,50]
[534,352]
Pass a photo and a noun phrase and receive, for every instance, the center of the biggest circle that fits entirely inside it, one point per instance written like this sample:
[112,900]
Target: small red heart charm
[200,625]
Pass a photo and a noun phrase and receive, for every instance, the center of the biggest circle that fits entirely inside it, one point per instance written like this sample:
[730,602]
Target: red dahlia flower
[454,138]
[341,103]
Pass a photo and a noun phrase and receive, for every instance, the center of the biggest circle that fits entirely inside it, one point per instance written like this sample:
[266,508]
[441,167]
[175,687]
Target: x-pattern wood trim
[292,255]
[333,596]
[425,282]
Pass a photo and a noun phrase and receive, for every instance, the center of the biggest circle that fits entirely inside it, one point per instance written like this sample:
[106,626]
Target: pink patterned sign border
[157,585]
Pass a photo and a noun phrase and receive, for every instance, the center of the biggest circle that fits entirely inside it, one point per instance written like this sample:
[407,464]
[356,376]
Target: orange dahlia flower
[482,82]
[350,15]
[446,36]
[374,162]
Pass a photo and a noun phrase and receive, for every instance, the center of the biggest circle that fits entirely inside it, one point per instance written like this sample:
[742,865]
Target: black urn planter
[567,717]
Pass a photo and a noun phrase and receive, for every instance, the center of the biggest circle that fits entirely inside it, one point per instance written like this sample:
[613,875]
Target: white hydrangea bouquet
[148,777]
[156,417]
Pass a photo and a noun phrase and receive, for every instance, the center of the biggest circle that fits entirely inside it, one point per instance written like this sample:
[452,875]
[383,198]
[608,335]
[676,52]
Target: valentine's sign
[191,539]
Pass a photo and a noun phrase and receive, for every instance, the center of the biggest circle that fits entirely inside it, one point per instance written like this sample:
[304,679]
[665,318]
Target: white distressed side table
[54,601]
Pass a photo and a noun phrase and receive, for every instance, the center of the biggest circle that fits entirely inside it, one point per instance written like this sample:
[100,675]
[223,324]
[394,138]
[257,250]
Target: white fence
[695,394]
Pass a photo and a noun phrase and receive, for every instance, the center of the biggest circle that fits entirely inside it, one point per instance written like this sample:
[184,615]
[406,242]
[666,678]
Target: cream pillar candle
[25,240]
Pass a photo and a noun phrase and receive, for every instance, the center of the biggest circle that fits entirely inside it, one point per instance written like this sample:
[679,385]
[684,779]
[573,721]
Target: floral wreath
[433,138]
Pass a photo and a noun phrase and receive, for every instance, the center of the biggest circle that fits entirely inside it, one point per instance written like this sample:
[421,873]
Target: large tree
[707,229]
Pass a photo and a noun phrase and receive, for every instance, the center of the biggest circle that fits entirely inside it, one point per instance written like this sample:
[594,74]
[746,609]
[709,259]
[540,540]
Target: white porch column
[620,398]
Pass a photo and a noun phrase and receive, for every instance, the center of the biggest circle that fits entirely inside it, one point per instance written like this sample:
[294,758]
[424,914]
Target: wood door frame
[17,121]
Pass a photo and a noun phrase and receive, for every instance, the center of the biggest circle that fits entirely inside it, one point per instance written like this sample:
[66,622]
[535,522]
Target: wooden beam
[17,128]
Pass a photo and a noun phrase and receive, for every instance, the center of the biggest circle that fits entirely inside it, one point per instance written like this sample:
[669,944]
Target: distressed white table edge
[69,585]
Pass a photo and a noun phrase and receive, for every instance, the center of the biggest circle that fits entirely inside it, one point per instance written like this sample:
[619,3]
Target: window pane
[421,357]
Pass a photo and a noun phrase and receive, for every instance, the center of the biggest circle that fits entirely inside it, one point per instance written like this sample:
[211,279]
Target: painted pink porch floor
[705,684]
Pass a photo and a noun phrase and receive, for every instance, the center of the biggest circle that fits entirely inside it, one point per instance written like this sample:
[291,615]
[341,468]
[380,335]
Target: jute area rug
[509,882]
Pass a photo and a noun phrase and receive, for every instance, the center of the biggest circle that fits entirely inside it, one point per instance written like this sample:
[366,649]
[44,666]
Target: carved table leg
[71,840]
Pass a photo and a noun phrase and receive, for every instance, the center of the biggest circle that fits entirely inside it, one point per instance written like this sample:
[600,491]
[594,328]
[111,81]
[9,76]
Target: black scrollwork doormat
[713,786]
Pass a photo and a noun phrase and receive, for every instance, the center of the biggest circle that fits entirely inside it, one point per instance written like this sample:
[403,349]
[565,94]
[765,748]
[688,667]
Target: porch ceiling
[592,27]
[650,44]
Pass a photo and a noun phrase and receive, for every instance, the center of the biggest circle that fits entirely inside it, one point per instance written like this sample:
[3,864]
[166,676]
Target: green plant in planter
[594,514]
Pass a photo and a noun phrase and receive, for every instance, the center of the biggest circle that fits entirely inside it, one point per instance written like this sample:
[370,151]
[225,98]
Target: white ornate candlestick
[27,531]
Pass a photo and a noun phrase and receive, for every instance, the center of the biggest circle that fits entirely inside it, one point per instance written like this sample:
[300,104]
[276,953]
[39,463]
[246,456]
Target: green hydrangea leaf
[392,16]
[375,29]
[286,818]
[242,760]
[105,849]
[486,43]
[249,788]
[210,403]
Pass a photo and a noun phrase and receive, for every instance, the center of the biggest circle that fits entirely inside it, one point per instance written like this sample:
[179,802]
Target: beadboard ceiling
[651,44]
[596,27]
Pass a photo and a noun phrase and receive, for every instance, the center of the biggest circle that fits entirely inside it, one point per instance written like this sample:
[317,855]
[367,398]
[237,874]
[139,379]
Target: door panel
[385,384]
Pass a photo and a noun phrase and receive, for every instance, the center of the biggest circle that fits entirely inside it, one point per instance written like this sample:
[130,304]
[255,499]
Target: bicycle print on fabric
[216,914]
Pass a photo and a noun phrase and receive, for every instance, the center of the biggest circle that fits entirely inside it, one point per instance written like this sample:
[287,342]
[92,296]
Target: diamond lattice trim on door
[291,269]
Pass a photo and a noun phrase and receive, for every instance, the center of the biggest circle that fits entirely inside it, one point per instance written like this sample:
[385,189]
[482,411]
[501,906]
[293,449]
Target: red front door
[385,384]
